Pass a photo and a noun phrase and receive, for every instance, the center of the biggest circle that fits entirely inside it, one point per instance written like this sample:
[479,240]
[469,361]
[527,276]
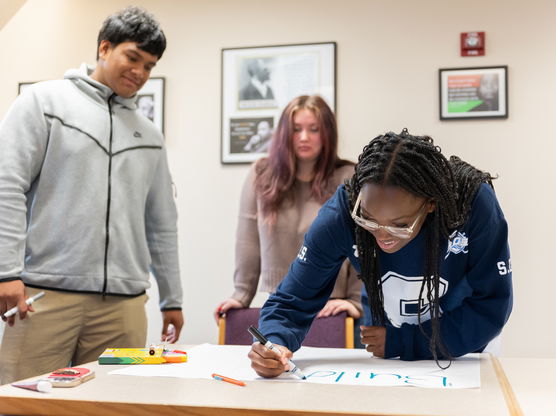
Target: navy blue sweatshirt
[475,287]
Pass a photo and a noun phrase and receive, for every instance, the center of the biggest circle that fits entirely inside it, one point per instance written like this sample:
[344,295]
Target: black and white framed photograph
[150,101]
[258,82]
[471,93]
[22,85]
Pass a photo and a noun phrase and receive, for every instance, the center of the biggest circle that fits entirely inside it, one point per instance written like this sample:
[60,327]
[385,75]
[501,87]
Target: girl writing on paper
[431,244]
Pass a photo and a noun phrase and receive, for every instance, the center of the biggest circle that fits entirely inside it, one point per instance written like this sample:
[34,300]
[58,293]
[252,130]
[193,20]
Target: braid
[370,267]
[416,165]
[468,179]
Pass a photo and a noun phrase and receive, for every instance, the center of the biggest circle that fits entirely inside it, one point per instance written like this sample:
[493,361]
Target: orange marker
[228,379]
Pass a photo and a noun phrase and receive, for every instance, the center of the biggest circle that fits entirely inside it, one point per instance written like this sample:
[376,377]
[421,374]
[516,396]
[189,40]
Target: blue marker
[270,346]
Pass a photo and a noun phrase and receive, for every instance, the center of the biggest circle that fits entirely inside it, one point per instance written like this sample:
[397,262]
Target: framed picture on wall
[258,82]
[150,101]
[471,93]
[22,85]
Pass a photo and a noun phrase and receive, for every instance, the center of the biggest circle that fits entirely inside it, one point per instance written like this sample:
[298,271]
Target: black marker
[270,346]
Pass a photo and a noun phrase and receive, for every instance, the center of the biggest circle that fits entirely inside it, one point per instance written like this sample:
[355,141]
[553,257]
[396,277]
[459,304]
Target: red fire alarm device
[472,43]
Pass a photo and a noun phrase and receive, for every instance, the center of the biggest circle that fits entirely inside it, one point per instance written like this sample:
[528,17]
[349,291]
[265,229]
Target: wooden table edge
[56,407]
[509,395]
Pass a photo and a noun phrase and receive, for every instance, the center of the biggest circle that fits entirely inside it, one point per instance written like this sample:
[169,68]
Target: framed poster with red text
[471,93]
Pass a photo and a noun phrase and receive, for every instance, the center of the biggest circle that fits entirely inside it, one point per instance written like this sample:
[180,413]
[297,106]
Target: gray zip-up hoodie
[86,201]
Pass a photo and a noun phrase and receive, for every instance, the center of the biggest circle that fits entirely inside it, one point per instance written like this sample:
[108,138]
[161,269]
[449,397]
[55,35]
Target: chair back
[237,321]
[333,331]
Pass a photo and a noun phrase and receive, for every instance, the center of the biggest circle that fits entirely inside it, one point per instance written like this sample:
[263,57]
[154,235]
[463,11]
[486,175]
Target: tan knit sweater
[264,253]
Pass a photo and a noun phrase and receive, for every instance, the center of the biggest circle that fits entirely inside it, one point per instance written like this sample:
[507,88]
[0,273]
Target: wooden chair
[332,332]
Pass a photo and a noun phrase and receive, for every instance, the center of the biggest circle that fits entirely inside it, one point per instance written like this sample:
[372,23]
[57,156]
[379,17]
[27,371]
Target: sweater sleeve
[469,326]
[354,285]
[287,315]
[348,285]
[247,250]
[161,230]
[23,142]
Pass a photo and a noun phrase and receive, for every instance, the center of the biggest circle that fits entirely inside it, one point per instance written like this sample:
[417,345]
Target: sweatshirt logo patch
[137,134]
[457,243]
[401,298]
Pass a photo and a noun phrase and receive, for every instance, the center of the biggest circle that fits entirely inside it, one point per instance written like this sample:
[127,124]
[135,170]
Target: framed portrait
[471,93]
[258,82]
[150,101]
[22,85]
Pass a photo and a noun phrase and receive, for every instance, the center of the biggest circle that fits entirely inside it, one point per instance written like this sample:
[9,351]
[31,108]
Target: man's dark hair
[416,165]
[133,24]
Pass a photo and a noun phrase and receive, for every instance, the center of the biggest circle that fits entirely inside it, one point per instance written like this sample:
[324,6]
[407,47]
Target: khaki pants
[70,327]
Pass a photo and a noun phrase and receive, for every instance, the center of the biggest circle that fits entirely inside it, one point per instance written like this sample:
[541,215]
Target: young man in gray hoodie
[86,209]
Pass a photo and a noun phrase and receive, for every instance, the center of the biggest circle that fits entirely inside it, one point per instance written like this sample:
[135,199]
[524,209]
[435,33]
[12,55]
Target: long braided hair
[416,165]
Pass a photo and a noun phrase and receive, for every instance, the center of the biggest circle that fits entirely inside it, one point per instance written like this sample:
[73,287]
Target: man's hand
[374,337]
[13,294]
[172,322]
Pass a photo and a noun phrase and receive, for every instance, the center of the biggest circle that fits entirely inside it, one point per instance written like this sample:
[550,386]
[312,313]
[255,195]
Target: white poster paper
[321,366]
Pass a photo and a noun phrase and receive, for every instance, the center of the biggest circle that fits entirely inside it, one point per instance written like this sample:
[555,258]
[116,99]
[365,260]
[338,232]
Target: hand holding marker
[29,301]
[294,369]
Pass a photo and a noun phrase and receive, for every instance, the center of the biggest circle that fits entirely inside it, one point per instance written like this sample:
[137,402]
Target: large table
[108,395]
[532,380]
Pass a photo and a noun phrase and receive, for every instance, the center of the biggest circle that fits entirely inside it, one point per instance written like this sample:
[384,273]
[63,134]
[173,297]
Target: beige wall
[7,9]
[388,56]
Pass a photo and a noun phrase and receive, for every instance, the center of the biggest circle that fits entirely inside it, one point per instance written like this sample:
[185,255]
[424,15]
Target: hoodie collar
[99,92]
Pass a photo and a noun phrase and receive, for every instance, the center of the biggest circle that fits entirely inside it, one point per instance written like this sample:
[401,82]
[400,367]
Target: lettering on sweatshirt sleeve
[302,255]
[504,268]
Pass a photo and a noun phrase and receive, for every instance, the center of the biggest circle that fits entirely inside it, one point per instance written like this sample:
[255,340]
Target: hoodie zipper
[107,226]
